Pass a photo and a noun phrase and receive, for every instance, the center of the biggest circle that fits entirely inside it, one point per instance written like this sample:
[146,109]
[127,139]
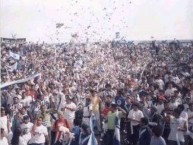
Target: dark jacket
[144,135]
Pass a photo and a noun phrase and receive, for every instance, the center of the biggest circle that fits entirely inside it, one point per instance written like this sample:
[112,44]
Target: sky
[96,20]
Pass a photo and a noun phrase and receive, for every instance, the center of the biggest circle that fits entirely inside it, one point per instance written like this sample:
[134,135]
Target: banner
[8,40]
[14,55]
[19,81]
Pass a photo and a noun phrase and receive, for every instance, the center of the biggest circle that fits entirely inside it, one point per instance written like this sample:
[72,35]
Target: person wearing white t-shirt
[178,127]
[3,139]
[134,117]
[69,111]
[26,128]
[183,113]
[159,82]
[39,133]
[160,106]
[25,100]
[4,121]
[170,90]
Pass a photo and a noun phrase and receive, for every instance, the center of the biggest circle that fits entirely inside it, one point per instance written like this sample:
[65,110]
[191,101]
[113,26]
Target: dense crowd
[149,86]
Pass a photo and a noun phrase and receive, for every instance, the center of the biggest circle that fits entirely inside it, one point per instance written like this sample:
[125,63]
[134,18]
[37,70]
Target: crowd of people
[149,86]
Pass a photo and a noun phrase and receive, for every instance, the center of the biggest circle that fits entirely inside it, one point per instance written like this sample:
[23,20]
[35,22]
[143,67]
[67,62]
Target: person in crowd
[134,117]
[183,113]
[108,91]
[39,133]
[155,118]
[46,117]
[144,132]
[108,137]
[16,106]
[76,130]
[178,127]
[79,113]
[95,102]
[69,111]
[157,139]
[17,138]
[160,102]
[61,121]
[166,114]
[4,121]
[84,135]
[3,139]
[26,128]
[87,111]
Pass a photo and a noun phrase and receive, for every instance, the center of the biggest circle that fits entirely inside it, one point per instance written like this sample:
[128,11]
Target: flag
[117,138]
[14,55]
[75,35]
[92,140]
[59,25]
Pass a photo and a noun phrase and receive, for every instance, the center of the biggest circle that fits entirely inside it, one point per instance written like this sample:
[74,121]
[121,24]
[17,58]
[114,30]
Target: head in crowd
[176,113]
[39,121]
[93,92]
[60,115]
[2,133]
[181,107]
[15,100]
[2,111]
[43,108]
[135,106]
[108,98]
[26,119]
[144,121]
[88,101]
[157,131]
[85,129]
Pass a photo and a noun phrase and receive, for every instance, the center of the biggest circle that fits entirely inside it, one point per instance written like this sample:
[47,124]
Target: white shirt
[184,115]
[26,101]
[176,135]
[160,83]
[40,133]
[86,110]
[70,115]
[4,141]
[170,92]
[3,123]
[26,127]
[137,115]
[190,114]
[174,104]
[22,140]
[159,107]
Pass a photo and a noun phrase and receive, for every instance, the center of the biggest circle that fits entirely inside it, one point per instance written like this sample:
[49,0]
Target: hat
[113,104]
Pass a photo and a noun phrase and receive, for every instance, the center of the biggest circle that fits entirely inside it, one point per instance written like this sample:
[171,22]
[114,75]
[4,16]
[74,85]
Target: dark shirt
[144,135]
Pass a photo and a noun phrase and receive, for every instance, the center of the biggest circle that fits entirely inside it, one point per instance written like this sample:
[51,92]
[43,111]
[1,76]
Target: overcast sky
[96,19]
